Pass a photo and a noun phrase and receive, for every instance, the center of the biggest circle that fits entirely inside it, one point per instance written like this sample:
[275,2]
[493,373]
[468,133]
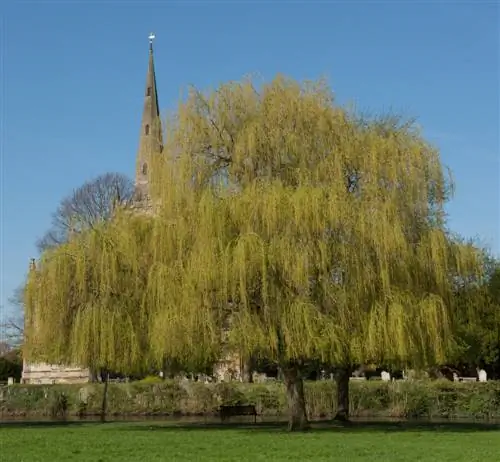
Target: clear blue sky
[73,79]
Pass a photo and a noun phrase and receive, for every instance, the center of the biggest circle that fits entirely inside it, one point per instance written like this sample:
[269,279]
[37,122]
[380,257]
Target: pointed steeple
[150,139]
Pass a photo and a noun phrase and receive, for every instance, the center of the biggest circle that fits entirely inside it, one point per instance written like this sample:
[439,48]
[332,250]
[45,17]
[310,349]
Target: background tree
[13,324]
[4,348]
[11,363]
[282,231]
[87,206]
[477,320]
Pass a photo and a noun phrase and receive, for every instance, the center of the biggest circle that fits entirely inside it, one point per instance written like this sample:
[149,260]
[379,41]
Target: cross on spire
[151,37]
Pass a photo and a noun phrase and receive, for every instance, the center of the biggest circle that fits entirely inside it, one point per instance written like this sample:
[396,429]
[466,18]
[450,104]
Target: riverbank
[415,399]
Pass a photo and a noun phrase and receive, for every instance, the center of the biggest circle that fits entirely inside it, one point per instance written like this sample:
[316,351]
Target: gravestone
[385,376]
[83,395]
[483,376]
[10,381]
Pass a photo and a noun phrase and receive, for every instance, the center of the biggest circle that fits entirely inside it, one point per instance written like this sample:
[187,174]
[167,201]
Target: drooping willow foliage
[85,301]
[285,226]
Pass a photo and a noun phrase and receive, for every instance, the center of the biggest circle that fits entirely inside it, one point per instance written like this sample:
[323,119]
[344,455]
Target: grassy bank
[129,442]
[394,399]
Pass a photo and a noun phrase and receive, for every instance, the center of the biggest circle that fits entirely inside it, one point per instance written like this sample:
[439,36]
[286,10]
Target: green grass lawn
[149,442]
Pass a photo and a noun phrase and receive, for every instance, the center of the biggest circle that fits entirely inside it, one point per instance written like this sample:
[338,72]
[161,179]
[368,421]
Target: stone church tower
[150,137]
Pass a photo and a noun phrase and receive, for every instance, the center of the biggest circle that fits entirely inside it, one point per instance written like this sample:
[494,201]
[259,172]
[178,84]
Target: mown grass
[149,442]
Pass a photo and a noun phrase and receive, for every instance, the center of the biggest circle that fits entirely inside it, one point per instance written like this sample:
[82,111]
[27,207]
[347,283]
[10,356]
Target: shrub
[151,379]
[381,399]
[10,367]
[58,404]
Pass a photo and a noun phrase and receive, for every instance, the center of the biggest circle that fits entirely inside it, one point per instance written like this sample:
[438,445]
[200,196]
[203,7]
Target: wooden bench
[229,411]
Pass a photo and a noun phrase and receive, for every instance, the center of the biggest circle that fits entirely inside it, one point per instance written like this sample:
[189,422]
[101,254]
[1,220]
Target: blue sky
[73,76]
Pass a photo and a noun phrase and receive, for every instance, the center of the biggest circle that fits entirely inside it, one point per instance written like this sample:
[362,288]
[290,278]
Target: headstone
[483,376]
[359,372]
[83,395]
[386,376]
[259,378]
[456,378]
[10,381]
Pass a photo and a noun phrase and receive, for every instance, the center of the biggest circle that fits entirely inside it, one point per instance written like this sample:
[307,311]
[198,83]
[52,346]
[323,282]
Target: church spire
[150,139]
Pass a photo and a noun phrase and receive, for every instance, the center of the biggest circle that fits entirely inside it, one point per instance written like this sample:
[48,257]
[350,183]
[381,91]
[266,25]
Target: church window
[148,92]
[146,129]
[144,169]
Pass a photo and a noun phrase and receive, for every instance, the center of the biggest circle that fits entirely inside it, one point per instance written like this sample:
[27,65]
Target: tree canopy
[285,227]
[86,206]
[477,319]
[13,324]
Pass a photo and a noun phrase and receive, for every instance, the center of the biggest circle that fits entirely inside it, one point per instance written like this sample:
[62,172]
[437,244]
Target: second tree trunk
[342,378]
[297,416]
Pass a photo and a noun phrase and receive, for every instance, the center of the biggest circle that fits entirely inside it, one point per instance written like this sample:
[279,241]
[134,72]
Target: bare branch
[86,206]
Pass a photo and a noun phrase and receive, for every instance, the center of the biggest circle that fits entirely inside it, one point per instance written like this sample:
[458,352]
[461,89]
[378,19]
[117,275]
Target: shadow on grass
[372,426]
[324,426]
[45,423]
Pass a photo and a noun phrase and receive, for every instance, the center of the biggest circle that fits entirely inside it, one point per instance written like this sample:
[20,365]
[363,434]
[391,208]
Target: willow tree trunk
[167,370]
[342,378]
[104,404]
[297,416]
[246,370]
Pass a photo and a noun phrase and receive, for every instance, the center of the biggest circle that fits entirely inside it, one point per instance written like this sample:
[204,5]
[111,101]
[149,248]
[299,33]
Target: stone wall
[229,368]
[42,373]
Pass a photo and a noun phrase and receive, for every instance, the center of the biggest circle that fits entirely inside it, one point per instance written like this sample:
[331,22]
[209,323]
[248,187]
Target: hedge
[410,399]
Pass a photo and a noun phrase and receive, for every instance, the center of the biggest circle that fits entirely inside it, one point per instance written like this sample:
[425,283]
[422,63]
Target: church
[150,141]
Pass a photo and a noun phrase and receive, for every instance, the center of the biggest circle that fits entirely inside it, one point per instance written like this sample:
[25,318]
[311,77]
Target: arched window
[144,169]
[148,91]
[146,129]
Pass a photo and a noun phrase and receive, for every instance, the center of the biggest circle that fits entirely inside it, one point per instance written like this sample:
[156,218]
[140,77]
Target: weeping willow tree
[313,234]
[285,227]
[85,298]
